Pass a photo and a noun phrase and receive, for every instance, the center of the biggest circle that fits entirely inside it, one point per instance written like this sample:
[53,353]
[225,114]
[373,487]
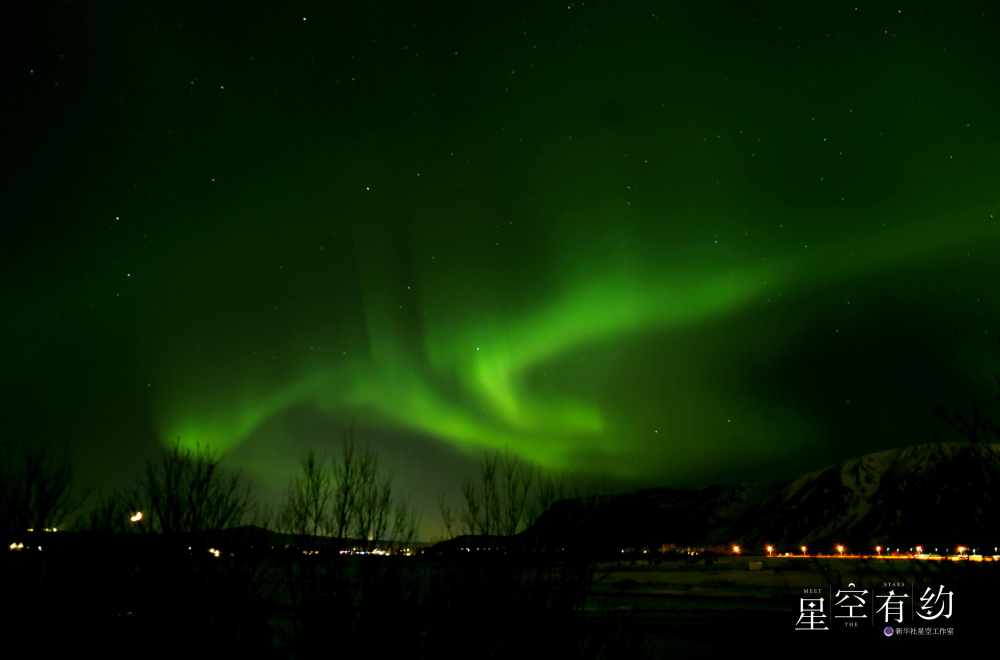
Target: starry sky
[643,243]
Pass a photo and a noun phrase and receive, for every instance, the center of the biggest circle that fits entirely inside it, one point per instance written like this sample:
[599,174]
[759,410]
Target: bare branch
[186,491]
[36,489]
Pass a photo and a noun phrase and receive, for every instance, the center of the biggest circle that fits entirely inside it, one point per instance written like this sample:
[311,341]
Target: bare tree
[448,520]
[265,516]
[497,503]
[307,505]
[373,502]
[348,495]
[517,479]
[188,491]
[404,526]
[347,470]
[114,513]
[548,490]
[507,496]
[36,489]
[379,516]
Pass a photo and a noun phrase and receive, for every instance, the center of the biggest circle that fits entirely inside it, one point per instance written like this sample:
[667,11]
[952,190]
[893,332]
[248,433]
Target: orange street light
[736,549]
[803,549]
[770,550]
[878,550]
[840,549]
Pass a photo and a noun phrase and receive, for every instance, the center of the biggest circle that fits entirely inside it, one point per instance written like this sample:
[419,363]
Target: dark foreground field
[136,601]
[677,609]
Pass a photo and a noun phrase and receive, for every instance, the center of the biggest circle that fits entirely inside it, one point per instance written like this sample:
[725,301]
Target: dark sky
[648,243]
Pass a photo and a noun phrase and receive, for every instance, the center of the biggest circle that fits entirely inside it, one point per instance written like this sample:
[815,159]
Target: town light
[736,549]
[770,550]
[962,549]
[878,549]
[920,549]
[136,517]
[840,549]
[803,549]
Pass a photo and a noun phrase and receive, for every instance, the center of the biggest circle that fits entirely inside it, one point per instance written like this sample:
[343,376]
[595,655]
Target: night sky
[645,243]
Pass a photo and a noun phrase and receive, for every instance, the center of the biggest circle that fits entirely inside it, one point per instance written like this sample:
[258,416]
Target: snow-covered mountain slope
[936,494]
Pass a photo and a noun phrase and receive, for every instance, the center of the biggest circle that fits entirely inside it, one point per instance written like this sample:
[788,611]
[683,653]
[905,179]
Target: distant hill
[935,494]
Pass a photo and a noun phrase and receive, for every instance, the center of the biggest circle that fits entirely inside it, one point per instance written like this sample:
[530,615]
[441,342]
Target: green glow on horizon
[708,244]
[467,386]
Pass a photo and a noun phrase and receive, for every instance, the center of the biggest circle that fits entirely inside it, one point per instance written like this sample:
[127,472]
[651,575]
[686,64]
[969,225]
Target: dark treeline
[342,494]
[207,569]
[36,489]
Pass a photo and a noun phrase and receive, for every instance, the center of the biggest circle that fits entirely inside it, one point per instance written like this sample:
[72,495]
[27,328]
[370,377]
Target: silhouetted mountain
[935,494]
[942,494]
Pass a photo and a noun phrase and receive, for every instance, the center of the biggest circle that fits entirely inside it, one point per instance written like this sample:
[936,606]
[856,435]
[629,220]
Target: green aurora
[467,377]
[649,245]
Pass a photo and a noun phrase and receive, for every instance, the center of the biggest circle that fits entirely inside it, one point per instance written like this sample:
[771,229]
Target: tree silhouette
[36,489]
[373,499]
[507,496]
[347,471]
[309,498]
[349,494]
[186,490]
[113,513]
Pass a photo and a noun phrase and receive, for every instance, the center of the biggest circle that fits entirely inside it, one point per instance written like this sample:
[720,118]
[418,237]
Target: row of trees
[506,496]
[345,494]
[35,488]
[180,490]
